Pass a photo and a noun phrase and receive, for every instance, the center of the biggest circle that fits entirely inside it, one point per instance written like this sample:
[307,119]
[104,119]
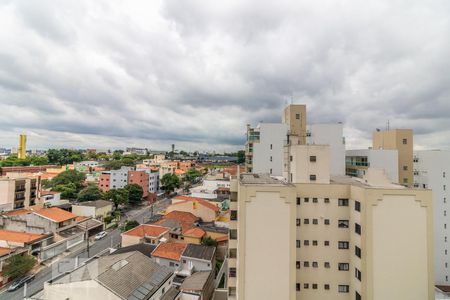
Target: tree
[68,191]
[130,225]
[135,193]
[170,182]
[241,156]
[69,176]
[209,241]
[18,265]
[64,156]
[192,175]
[117,196]
[89,193]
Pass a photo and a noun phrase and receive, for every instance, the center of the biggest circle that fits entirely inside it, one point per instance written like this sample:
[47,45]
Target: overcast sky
[194,73]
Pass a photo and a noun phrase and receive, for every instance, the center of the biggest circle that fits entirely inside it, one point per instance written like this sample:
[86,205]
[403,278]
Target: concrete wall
[301,168]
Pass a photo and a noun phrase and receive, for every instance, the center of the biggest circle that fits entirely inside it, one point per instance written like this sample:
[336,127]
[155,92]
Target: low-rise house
[198,286]
[32,242]
[97,209]
[199,207]
[178,222]
[151,234]
[199,257]
[169,254]
[194,235]
[51,198]
[128,276]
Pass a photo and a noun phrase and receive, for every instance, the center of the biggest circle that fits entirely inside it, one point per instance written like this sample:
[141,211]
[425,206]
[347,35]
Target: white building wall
[330,134]
[432,171]
[119,178]
[268,152]
[380,159]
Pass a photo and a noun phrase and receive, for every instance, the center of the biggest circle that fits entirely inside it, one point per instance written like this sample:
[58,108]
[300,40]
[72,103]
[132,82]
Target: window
[357,296]
[306,242]
[315,200]
[326,286]
[315,221]
[171,264]
[233,253]
[343,267]
[298,200]
[232,272]
[297,264]
[343,223]
[313,158]
[290,158]
[232,291]
[326,265]
[297,116]
[314,243]
[270,171]
[405,141]
[343,245]
[233,234]
[306,264]
[326,200]
[358,251]
[298,243]
[405,180]
[270,146]
[326,221]
[343,288]
[342,202]
[306,200]
[443,174]
[306,221]
[299,221]
[405,168]
[306,286]
[233,215]
[357,228]
[358,274]
[315,264]
[314,286]
[312,177]
[357,206]
[297,286]
[326,243]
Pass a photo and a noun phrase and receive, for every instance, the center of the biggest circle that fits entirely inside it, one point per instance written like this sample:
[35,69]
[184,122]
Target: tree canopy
[135,193]
[170,182]
[18,265]
[69,183]
[192,175]
[117,196]
[64,156]
[32,160]
[130,225]
[241,157]
[89,193]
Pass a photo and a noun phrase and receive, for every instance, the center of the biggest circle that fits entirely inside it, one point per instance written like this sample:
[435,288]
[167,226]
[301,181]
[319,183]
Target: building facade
[358,161]
[18,192]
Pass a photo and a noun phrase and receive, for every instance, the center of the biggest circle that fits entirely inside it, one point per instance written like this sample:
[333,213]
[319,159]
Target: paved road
[68,263]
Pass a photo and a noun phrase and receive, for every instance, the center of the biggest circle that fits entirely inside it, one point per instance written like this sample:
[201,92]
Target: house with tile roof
[194,235]
[199,257]
[169,254]
[205,210]
[199,285]
[145,233]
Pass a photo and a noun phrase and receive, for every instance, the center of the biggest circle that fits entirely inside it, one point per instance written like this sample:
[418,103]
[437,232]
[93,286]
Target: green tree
[209,241]
[241,156]
[64,156]
[130,225]
[69,176]
[135,193]
[18,265]
[89,193]
[170,182]
[192,175]
[117,196]
[68,191]
[117,154]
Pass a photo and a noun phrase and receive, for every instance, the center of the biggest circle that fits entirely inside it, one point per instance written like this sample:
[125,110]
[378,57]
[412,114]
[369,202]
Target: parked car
[18,283]
[100,235]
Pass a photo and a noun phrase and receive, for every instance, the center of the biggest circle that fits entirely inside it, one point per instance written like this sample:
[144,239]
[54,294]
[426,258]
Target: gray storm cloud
[194,73]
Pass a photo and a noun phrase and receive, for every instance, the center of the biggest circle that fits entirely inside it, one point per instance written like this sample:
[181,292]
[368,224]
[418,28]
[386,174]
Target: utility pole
[87,246]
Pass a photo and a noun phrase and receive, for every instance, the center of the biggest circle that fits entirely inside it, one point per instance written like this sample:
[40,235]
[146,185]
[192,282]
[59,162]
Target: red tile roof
[195,232]
[181,216]
[222,238]
[171,251]
[20,237]
[198,200]
[55,214]
[147,230]
[5,251]
[17,212]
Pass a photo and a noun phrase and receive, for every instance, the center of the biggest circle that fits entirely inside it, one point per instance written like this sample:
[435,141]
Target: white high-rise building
[358,161]
[432,171]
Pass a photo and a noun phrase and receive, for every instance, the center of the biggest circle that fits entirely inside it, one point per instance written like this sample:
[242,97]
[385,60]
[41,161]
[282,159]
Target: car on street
[18,283]
[100,235]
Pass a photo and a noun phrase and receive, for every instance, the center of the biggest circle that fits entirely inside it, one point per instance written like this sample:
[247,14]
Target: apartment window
[443,174]
[343,223]
[297,264]
[233,215]
[233,234]
[405,180]
[298,243]
[313,158]
[445,226]
[405,168]
[357,228]
[233,253]
[297,286]
[326,221]
[357,296]
[343,267]
[315,200]
[342,202]
[306,286]
[358,274]
[305,221]
[357,206]
[312,177]
[306,264]
[358,251]
[326,243]
[299,221]
[326,286]
[306,243]
[232,291]
[270,171]
[232,272]
[270,146]
[314,286]
[405,141]
[326,200]
[446,265]
[290,158]
[343,288]
[306,200]
[315,221]
[343,245]
[298,200]
[314,243]
[315,264]
[292,176]
[297,116]
[326,265]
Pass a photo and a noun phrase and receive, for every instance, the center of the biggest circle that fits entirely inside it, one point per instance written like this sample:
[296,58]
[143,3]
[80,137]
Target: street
[68,263]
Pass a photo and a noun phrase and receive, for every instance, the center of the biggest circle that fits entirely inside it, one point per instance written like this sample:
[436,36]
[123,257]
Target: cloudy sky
[194,73]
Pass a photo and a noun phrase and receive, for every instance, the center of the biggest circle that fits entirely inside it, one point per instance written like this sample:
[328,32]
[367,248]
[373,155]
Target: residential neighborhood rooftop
[200,201]
[147,230]
[199,252]
[95,203]
[171,251]
[55,214]
[195,232]
[20,237]
[195,282]
[181,216]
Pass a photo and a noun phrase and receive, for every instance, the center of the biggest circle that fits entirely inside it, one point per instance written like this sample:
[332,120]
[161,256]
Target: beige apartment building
[402,141]
[18,192]
[315,236]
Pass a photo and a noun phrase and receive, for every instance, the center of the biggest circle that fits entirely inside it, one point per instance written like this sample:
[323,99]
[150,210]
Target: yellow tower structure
[22,151]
